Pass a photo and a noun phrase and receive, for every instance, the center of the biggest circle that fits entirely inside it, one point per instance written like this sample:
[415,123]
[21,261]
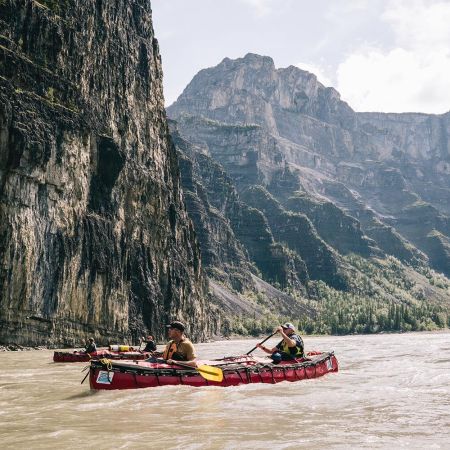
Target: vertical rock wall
[94,236]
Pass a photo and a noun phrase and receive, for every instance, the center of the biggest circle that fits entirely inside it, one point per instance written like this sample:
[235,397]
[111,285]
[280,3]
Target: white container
[120,348]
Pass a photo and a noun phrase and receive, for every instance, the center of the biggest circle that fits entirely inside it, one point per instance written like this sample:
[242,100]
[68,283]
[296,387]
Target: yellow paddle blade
[210,373]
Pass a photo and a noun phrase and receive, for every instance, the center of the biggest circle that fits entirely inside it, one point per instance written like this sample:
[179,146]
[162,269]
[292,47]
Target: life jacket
[171,351]
[295,352]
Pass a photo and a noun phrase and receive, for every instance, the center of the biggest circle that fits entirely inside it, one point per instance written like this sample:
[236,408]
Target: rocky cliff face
[94,236]
[378,170]
[253,157]
[235,239]
[210,198]
[299,234]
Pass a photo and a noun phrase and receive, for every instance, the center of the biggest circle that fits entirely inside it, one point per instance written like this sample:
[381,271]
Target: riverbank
[218,338]
[20,348]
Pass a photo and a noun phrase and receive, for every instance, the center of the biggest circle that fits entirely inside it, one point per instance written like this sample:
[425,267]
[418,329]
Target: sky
[380,55]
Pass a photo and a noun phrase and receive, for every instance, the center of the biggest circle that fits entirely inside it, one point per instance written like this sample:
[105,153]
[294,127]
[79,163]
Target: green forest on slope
[411,304]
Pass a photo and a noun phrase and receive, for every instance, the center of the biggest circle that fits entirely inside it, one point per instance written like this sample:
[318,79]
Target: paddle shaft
[262,342]
[85,377]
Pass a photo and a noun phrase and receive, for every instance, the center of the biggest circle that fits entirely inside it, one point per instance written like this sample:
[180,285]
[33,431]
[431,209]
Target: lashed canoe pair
[229,371]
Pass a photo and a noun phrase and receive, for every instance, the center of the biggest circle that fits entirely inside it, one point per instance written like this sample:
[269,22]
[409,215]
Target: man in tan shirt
[179,348]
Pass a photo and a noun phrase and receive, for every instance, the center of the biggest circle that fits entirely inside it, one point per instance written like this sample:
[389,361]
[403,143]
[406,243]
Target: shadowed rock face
[235,239]
[210,198]
[382,179]
[94,237]
[298,233]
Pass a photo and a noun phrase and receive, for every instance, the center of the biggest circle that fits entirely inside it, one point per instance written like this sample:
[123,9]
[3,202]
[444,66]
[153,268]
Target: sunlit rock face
[382,179]
[94,236]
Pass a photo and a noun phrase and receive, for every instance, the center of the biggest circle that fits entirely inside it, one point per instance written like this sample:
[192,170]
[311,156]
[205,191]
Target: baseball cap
[288,325]
[177,325]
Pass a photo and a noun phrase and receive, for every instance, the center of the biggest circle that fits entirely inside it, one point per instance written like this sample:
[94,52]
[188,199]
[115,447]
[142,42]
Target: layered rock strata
[235,239]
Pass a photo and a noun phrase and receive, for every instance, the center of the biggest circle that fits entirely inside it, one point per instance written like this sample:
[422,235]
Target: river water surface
[392,391]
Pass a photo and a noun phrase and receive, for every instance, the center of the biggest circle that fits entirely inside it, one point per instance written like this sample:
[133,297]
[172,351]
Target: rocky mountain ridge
[383,168]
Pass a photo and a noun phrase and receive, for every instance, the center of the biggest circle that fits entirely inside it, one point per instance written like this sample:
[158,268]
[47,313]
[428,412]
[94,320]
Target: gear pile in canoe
[80,356]
[229,371]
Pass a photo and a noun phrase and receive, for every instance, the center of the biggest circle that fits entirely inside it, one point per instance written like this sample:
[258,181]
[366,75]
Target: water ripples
[391,391]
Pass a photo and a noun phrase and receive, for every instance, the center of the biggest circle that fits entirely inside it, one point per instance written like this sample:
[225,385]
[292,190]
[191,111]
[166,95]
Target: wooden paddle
[207,372]
[262,342]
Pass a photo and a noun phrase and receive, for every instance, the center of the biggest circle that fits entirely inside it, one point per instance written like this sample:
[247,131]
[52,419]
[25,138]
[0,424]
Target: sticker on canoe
[104,377]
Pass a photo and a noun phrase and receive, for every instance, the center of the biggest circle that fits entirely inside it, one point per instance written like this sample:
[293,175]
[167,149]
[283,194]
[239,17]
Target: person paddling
[289,348]
[179,348]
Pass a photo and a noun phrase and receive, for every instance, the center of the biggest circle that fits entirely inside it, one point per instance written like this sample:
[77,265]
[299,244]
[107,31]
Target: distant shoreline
[21,348]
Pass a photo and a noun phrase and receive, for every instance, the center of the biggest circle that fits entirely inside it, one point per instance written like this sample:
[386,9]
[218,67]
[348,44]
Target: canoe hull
[109,375]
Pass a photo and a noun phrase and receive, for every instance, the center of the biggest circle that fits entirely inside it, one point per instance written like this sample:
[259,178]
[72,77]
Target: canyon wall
[94,235]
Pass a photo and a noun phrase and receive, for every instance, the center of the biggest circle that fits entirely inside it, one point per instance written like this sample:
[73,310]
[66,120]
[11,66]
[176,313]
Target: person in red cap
[179,348]
[289,348]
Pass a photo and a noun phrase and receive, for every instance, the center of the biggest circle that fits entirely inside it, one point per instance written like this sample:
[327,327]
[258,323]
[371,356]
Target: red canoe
[245,369]
[77,356]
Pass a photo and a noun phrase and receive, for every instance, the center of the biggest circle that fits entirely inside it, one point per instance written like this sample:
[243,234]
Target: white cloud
[414,74]
[336,10]
[319,71]
[419,25]
[261,7]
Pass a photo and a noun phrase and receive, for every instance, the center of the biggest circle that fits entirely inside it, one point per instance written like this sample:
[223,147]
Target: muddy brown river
[392,391]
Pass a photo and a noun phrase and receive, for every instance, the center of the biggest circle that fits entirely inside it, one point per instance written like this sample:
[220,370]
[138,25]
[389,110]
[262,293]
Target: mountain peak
[251,60]
[250,89]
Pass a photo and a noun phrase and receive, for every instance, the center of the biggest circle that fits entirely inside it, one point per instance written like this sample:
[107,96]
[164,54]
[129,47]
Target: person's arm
[190,355]
[266,349]
[290,342]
